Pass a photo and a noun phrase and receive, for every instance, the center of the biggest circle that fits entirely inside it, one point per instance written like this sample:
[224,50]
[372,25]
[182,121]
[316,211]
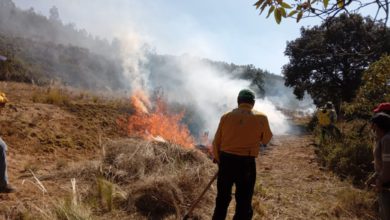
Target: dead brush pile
[145,179]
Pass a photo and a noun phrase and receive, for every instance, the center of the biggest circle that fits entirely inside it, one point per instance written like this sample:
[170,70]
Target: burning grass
[149,122]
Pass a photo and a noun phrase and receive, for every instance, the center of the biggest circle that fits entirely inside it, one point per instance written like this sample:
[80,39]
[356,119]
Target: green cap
[246,94]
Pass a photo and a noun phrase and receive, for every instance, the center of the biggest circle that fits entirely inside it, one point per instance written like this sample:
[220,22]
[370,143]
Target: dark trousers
[3,164]
[384,205]
[241,171]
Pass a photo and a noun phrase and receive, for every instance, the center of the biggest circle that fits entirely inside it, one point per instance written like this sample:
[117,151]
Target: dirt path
[291,185]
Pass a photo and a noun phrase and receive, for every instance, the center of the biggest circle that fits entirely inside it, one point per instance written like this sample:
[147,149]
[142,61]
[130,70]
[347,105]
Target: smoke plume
[205,90]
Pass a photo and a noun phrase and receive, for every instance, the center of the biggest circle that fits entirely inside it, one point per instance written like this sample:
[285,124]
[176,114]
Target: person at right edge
[236,145]
[380,124]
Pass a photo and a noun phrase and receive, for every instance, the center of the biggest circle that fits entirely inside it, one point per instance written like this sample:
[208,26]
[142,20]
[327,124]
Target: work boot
[7,189]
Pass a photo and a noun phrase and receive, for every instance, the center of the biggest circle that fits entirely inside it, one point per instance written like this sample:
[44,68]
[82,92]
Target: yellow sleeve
[266,133]
[3,98]
[217,141]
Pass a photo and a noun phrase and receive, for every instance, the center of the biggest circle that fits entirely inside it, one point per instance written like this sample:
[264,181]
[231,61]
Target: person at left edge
[4,185]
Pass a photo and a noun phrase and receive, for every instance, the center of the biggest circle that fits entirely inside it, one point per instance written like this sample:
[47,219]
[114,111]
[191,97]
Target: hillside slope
[56,134]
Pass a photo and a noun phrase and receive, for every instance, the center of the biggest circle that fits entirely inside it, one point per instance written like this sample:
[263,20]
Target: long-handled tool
[199,198]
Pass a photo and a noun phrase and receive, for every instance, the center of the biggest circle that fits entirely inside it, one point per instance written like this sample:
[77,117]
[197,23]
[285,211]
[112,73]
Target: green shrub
[351,155]
[374,90]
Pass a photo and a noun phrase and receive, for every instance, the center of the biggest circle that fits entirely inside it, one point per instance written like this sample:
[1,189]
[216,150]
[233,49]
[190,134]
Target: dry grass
[53,96]
[63,96]
[294,186]
[151,179]
[166,177]
[66,210]
[355,203]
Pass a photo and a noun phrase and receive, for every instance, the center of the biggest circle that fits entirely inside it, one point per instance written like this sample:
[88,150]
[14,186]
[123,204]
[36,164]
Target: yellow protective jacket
[241,132]
[3,98]
[326,116]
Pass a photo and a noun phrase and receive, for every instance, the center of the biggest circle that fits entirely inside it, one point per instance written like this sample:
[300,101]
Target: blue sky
[222,30]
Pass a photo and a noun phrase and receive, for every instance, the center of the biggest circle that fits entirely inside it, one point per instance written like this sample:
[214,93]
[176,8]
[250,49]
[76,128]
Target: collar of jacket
[245,106]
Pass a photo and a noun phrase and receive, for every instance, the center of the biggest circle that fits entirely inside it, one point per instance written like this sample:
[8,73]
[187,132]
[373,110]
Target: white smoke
[212,91]
[277,120]
[195,83]
[133,55]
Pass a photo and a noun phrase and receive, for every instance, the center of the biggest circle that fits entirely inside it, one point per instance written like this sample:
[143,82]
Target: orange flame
[157,122]
[140,102]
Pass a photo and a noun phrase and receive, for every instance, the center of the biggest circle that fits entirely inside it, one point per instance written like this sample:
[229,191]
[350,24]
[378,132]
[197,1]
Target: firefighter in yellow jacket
[236,145]
[327,117]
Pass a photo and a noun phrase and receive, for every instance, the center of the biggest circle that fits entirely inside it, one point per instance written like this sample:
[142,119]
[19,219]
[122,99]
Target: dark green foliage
[374,90]
[327,61]
[313,123]
[351,156]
